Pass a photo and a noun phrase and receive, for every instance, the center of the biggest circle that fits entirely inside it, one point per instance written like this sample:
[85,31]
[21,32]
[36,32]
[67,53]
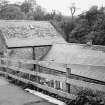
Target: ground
[13,95]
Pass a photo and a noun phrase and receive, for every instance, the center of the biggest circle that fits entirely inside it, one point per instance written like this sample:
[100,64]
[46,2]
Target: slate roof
[84,60]
[76,54]
[19,33]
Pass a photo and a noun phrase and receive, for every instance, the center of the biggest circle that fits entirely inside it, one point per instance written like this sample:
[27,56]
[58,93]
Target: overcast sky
[63,5]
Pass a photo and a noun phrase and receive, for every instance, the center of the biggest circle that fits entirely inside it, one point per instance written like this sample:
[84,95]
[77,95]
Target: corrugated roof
[29,33]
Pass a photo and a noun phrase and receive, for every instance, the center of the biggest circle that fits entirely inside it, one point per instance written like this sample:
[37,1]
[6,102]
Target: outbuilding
[27,39]
[85,62]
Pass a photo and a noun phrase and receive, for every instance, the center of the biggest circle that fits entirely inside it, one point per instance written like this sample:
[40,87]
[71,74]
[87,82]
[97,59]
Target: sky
[64,5]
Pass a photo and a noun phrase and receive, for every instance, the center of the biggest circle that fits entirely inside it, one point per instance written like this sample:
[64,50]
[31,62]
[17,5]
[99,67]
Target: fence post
[34,57]
[68,72]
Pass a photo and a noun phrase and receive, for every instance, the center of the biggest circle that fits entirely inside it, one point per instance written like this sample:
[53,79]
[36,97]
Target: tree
[67,27]
[3,4]
[53,16]
[11,12]
[73,10]
[58,16]
[39,13]
[30,15]
[90,26]
[78,33]
[26,7]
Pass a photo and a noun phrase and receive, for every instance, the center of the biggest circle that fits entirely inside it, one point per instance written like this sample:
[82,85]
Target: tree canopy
[90,26]
[11,12]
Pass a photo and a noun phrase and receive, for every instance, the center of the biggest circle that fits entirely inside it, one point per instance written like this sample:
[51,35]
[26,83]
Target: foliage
[87,97]
[67,27]
[64,25]
[90,26]
[39,13]
[26,6]
[29,8]
[30,15]
[3,3]
[11,12]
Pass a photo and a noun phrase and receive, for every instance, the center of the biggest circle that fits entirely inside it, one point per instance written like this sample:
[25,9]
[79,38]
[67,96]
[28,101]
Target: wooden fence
[54,83]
